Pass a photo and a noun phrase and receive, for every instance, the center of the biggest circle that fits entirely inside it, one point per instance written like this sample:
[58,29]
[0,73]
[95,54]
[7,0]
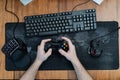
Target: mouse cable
[14,15]
[105,34]
[80,5]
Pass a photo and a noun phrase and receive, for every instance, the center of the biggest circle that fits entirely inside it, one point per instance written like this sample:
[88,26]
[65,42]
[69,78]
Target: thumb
[62,52]
[48,53]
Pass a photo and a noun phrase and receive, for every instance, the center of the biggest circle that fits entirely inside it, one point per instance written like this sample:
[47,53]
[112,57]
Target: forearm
[81,73]
[31,72]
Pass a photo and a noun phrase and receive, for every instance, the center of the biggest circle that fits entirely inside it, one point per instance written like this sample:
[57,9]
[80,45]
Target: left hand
[41,54]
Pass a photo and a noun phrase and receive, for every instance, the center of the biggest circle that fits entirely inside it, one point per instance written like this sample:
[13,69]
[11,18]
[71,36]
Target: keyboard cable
[80,5]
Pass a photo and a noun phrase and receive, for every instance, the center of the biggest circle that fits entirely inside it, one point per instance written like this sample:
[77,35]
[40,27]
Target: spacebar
[47,33]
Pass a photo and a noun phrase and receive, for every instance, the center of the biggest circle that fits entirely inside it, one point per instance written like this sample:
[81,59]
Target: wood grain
[109,10]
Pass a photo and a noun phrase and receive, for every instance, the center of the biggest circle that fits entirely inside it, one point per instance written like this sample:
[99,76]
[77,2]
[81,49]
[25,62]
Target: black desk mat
[108,60]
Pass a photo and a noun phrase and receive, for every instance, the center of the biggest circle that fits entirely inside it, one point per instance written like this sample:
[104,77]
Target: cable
[14,15]
[80,4]
[104,34]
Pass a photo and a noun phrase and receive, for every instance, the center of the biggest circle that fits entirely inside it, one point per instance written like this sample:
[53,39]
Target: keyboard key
[50,33]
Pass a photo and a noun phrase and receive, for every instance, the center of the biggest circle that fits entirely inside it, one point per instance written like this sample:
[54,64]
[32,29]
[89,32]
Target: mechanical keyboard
[63,22]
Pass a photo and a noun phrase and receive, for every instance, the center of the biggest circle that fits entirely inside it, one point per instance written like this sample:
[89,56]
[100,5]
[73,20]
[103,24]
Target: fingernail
[49,39]
[60,50]
[50,49]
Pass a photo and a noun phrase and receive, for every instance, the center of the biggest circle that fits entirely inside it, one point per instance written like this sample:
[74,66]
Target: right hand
[71,53]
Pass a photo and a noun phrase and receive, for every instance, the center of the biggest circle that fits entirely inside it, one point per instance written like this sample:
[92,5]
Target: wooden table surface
[109,10]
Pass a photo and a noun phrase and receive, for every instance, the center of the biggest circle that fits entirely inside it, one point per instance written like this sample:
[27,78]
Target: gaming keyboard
[63,22]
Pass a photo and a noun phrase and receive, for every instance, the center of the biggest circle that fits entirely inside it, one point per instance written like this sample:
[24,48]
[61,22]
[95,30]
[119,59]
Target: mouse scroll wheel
[92,52]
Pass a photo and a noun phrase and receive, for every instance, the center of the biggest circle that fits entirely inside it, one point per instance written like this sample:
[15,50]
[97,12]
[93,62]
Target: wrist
[38,61]
[75,61]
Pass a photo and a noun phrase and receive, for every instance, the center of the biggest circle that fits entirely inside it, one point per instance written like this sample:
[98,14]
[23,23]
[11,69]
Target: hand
[41,54]
[71,53]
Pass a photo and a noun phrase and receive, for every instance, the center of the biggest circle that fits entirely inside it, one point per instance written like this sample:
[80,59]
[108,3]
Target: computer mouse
[94,49]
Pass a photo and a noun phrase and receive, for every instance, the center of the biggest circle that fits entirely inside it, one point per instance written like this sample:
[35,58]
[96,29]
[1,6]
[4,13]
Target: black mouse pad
[105,39]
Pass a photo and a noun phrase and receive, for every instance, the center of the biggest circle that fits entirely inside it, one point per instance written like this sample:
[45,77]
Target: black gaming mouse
[94,49]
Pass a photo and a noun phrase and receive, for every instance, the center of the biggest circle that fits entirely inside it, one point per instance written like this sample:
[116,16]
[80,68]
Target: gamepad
[56,45]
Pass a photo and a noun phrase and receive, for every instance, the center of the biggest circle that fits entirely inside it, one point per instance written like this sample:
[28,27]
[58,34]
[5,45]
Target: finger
[62,52]
[43,42]
[48,53]
[68,40]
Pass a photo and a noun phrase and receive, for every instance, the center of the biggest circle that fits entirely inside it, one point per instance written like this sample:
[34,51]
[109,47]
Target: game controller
[56,45]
